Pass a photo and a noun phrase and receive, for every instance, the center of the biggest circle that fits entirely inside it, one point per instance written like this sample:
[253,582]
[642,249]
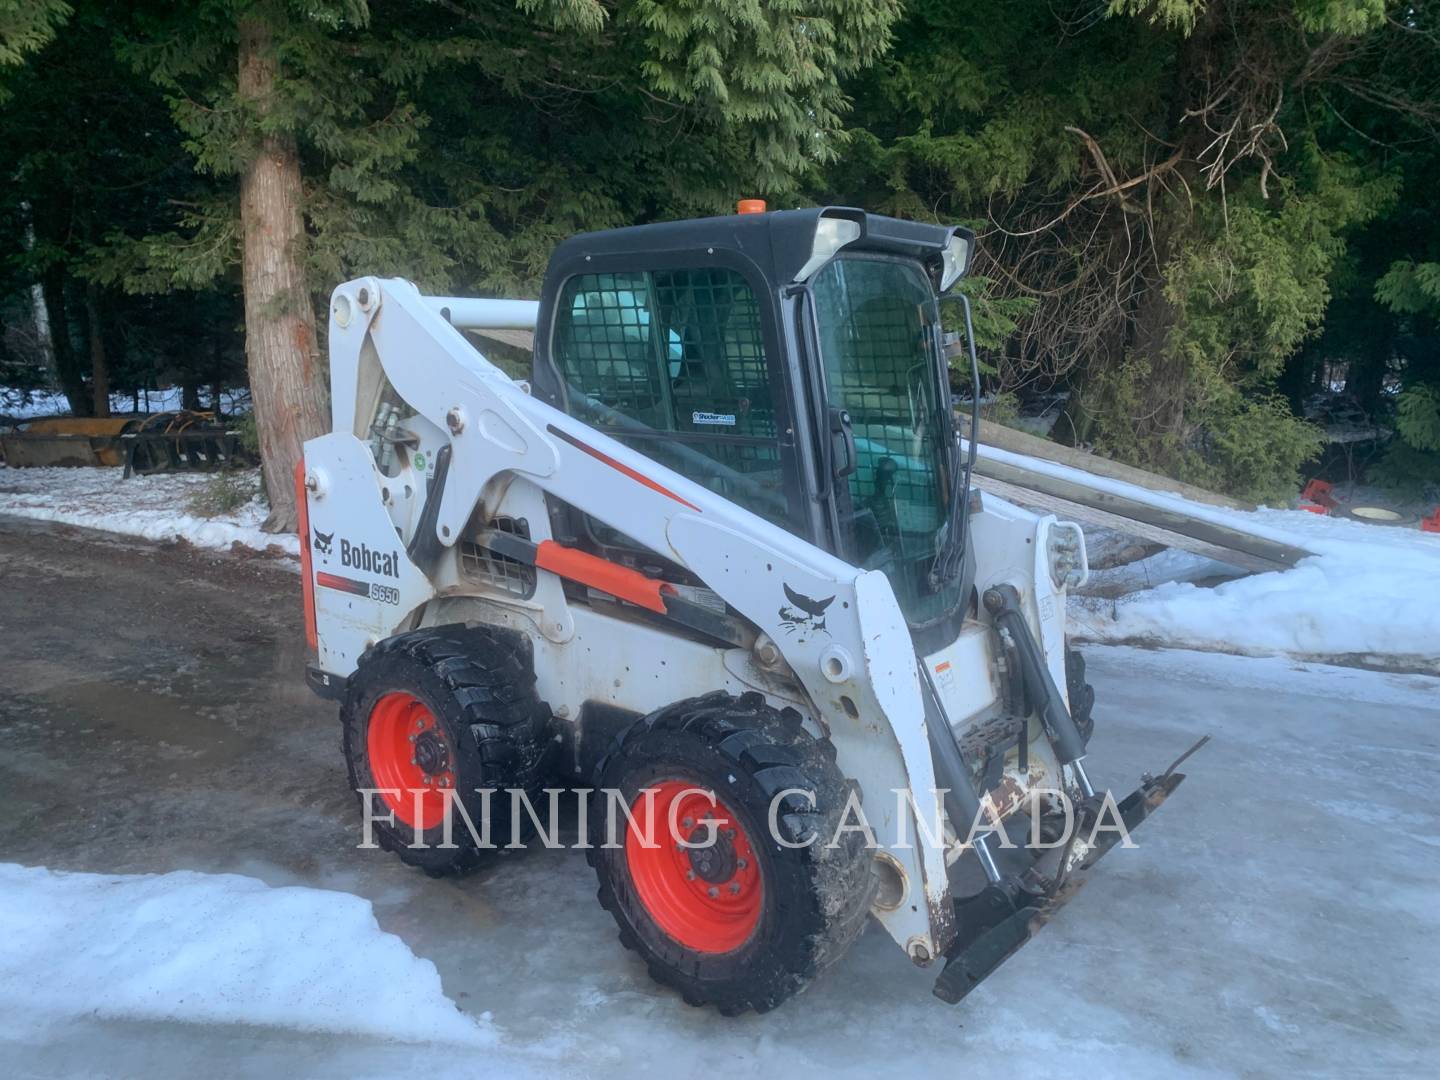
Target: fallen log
[1119,504]
[1022,442]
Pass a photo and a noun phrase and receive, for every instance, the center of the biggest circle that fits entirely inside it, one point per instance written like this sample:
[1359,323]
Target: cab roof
[779,242]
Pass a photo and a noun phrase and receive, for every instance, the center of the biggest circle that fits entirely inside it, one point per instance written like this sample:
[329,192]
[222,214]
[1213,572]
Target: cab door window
[673,364]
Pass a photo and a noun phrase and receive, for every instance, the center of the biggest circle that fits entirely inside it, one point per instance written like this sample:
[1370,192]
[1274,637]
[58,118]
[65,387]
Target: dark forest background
[1205,225]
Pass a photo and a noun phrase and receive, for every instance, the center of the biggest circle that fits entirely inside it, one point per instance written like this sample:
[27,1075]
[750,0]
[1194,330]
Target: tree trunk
[99,365]
[280,346]
[67,364]
[217,388]
[1159,417]
[1153,424]
[41,312]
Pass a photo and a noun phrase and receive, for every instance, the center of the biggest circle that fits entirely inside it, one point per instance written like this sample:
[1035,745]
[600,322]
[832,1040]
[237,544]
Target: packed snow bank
[1369,594]
[1166,565]
[155,507]
[213,948]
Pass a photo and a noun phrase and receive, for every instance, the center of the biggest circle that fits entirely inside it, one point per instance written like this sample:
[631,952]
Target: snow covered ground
[211,948]
[1166,565]
[1369,594]
[157,507]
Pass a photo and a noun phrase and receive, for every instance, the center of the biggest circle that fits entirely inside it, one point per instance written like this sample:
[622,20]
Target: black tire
[479,687]
[1080,692]
[814,900]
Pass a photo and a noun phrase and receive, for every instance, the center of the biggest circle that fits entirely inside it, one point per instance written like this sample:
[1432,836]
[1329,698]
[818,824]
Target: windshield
[878,339]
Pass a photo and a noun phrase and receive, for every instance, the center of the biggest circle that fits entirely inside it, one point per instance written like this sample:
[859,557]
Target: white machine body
[858,679]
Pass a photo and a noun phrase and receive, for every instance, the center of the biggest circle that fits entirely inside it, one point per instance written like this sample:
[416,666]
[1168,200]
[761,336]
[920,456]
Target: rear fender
[365,585]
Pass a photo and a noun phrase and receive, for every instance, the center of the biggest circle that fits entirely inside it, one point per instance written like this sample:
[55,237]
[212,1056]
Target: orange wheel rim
[708,898]
[411,759]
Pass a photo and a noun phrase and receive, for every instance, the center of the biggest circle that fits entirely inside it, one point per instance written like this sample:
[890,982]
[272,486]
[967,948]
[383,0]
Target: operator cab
[792,362]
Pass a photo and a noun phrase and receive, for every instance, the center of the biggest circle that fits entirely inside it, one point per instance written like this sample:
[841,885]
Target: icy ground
[1278,918]
[156,507]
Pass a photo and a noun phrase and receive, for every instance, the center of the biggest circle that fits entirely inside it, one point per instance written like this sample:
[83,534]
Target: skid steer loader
[716,562]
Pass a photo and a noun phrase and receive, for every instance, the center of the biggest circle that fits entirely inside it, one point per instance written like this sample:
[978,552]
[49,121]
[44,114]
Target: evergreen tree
[455,142]
[92,154]
[1160,182]
[1185,206]
[27,26]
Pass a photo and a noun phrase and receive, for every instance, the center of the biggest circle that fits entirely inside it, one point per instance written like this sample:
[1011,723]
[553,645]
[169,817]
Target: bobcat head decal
[803,613]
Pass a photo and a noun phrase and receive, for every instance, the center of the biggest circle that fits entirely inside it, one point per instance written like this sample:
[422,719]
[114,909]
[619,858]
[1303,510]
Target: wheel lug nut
[687,823]
[689,875]
[741,864]
[734,888]
[729,834]
[713,891]
[412,738]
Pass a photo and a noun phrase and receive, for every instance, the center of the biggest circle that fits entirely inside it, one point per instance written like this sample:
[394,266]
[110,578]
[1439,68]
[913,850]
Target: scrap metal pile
[161,442]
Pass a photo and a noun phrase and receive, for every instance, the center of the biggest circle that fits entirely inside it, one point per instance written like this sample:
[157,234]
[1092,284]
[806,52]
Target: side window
[673,364]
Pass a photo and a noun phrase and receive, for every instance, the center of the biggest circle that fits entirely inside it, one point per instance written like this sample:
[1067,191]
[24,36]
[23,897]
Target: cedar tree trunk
[280,347]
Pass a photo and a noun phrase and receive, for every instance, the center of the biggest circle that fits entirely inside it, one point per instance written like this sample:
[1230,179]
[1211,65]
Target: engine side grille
[487,567]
